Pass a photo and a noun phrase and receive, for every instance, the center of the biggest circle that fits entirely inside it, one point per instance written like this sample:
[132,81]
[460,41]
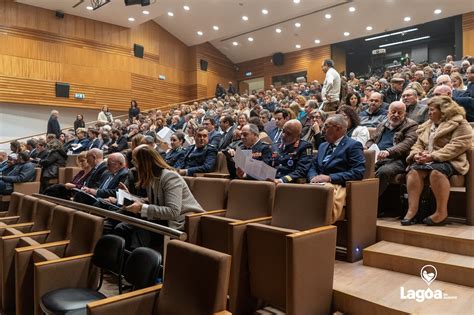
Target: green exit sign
[80,96]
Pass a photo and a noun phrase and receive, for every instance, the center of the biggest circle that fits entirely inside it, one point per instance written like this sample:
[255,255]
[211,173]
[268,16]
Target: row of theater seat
[39,243]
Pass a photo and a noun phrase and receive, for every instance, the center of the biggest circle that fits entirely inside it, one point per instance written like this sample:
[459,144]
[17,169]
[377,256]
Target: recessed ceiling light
[297,24]
[317,41]
[131,19]
[235,43]
[347,33]
[328,16]
[186,7]
[352,9]
[215,27]
[278,30]
[407,19]
[245,18]
[200,33]
[89,8]
[170,14]
[369,28]
[296,1]
[437,11]
[250,39]
[298,46]
[146,12]
[264,11]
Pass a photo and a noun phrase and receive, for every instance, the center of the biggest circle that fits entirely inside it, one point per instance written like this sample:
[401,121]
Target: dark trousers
[385,170]
[4,189]
[58,191]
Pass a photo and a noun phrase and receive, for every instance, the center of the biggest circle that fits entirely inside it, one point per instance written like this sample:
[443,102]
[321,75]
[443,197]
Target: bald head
[442,90]
[291,131]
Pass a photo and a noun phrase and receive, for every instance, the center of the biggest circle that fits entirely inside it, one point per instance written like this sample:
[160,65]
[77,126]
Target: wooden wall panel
[468,34]
[304,60]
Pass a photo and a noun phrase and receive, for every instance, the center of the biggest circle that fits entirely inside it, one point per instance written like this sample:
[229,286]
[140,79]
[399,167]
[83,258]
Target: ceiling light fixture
[296,1]
[407,19]
[317,41]
[186,7]
[347,33]
[328,16]
[437,11]
[391,34]
[298,46]
[96,4]
[146,12]
[297,24]
[235,43]
[200,33]
[250,39]
[131,19]
[405,41]
[89,8]
[369,28]
[264,11]
[170,14]
[352,9]
[215,27]
[245,18]
[278,30]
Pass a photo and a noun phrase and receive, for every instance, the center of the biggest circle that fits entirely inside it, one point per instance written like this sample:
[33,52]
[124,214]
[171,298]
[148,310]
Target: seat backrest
[189,181]
[71,160]
[37,174]
[70,172]
[221,165]
[196,280]
[302,207]
[240,192]
[16,200]
[61,224]
[108,253]
[86,231]
[43,215]
[27,210]
[369,164]
[149,262]
[211,193]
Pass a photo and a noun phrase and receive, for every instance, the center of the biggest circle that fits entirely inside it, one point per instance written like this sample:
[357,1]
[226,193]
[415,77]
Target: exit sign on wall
[79,96]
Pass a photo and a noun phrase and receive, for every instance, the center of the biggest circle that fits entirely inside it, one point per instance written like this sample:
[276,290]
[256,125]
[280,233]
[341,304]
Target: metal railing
[117,117]
[142,224]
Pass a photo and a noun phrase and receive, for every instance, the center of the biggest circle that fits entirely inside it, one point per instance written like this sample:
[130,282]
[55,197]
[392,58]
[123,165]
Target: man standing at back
[53,124]
[331,87]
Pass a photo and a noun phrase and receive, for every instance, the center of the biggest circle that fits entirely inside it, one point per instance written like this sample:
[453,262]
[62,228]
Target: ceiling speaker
[278,59]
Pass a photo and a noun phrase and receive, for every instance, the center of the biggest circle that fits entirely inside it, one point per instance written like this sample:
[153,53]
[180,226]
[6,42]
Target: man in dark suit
[53,124]
[200,157]
[227,127]
[119,142]
[339,159]
[213,135]
[95,159]
[281,117]
[20,172]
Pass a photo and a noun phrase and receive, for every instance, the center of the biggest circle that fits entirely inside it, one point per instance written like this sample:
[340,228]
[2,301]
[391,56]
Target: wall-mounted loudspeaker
[138,50]
[278,59]
[203,64]
[60,14]
[62,89]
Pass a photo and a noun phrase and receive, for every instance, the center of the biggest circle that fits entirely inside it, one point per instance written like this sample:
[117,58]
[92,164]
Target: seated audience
[177,151]
[339,159]
[65,191]
[415,111]
[394,92]
[213,134]
[200,157]
[82,142]
[439,153]
[94,141]
[375,113]
[226,123]
[394,139]
[312,131]
[292,156]
[354,131]
[20,170]
[281,116]
[466,102]
[353,100]
[95,159]
[3,161]
[119,142]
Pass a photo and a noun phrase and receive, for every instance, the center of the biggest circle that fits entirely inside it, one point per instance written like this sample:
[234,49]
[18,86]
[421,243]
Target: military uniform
[174,156]
[292,161]
[261,151]
[198,160]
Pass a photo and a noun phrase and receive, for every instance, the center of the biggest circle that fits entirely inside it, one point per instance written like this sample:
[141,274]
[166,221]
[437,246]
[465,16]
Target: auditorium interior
[236,157]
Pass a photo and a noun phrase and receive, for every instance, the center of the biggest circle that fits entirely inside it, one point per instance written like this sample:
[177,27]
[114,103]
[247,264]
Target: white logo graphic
[428,274]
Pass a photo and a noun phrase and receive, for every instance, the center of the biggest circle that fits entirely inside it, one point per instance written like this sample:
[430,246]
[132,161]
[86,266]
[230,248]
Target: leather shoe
[428,221]
[407,222]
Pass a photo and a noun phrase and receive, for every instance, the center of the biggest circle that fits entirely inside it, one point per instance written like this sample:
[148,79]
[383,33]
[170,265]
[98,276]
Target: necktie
[106,183]
[329,152]
[277,135]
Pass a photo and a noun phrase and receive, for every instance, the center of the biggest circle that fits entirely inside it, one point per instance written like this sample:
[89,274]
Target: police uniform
[292,161]
[198,160]
[174,155]
[261,151]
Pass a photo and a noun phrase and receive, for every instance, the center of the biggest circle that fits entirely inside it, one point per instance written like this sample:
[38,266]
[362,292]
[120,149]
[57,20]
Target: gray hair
[148,140]
[253,129]
[338,120]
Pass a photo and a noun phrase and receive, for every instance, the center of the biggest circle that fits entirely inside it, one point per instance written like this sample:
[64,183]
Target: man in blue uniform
[200,157]
[292,157]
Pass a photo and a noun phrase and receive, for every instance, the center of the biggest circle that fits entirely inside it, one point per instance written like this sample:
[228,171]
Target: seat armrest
[217,175]
[191,224]
[9,220]
[136,302]
[22,227]
[262,220]
[58,244]
[31,234]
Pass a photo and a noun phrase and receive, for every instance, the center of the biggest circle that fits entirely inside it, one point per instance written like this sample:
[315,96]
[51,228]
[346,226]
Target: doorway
[247,86]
